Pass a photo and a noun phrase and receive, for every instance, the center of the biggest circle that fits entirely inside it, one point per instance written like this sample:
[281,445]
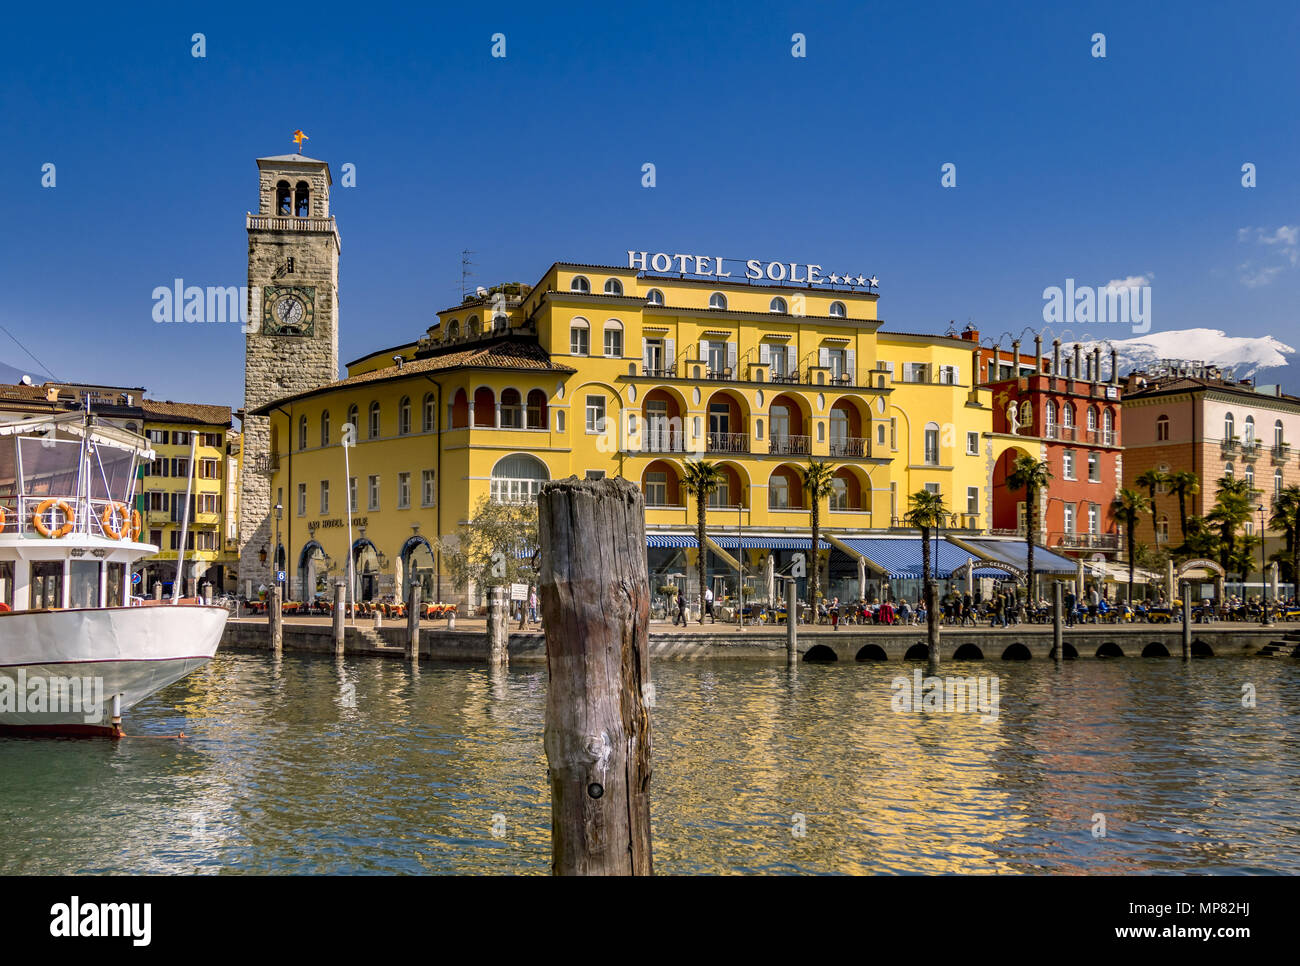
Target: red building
[1060,410]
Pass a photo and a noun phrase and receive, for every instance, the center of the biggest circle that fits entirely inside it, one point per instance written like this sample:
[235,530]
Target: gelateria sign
[749,269]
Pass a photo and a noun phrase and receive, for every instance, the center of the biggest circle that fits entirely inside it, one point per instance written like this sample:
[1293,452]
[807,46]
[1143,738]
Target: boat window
[7,583]
[47,584]
[116,581]
[83,583]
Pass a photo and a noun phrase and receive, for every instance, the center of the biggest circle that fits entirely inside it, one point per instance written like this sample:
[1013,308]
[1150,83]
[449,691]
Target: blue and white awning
[768,543]
[672,541]
[901,557]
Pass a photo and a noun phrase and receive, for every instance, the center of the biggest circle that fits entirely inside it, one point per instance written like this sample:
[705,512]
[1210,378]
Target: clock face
[288,310]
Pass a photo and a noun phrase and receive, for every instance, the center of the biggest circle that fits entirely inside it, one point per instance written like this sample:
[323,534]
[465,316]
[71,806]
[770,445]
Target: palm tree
[1184,483]
[1128,505]
[701,479]
[1153,480]
[817,484]
[1032,476]
[1286,517]
[925,510]
[1233,505]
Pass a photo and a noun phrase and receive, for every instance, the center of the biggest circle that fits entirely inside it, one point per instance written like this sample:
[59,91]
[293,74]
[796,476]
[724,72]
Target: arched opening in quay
[917,652]
[871,652]
[820,654]
[1201,649]
[1110,649]
[1017,652]
[1069,651]
[968,652]
[1155,649]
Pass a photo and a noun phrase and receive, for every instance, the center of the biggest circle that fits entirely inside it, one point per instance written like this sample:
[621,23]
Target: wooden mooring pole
[337,615]
[1058,640]
[791,623]
[595,599]
[413,624]
[498,632]
[275,618]
[1187,621]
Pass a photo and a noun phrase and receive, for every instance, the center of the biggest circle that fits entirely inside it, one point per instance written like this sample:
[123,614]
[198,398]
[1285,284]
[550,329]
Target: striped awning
[768,543]
[673,541]
[901,557]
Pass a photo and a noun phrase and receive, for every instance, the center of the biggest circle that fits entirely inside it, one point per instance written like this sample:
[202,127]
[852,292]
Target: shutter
[731,356]
[791,361]
[851,366]
[670,353]
[824,357]
[704,351]
[764,354]
[645,353]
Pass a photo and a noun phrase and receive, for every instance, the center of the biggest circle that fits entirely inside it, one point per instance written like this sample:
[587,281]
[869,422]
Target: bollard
[498,633]
[413,624]
[1058,641]
[157,591]
[791,624]
[595,597]
[338,615]
[1187,622]
[451,620]
[190,588]
[207,593]
[275,618]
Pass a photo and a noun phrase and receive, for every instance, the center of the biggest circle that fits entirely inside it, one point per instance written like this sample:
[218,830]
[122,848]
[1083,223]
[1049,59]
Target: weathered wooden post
[276,620]
[498,632]
[595,598]
[337,616]
[791,623]
[413,624]
[1058,640]
[207,593]
[1187,621]
[157,591]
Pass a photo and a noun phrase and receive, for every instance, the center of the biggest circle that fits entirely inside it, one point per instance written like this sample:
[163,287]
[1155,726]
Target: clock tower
[292,342]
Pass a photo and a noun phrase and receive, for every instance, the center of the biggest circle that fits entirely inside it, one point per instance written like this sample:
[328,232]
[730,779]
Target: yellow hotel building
[629,371]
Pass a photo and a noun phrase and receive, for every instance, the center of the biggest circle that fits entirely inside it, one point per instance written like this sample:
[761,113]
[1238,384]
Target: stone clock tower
[292,343]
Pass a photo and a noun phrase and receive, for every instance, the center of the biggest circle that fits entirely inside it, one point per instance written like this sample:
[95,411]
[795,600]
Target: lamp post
[1263,577]
[279,548]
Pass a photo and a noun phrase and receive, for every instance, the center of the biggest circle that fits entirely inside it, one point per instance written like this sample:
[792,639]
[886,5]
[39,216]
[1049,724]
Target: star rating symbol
[835,280]
[862,280]
[872,281]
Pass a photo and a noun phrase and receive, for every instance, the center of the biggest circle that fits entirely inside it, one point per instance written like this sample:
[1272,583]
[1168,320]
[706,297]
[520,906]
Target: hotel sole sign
[755,269]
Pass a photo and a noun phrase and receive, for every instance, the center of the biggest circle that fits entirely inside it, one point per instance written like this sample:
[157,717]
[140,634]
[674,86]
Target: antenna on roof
[465,273]
[27,380]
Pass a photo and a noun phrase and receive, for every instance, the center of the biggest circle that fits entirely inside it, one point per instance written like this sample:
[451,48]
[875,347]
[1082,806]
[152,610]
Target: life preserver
[137,525]
[106,519]
[4,518]
[69,518]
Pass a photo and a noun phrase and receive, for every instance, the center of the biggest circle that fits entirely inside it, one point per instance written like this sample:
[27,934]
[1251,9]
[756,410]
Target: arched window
[1248,431]
[499,322]
[1049,419]
[453,330]
[1229,426]
[1228,471]
[429,421]
[837,310]
[325,427]
[580,284]
[1162,428]
[485,408]
[932,444]
[517,478]
[302,432]
[778,492]
[613,286]
[459,416]
[1277,483]
[654,297]
[374,420]
[1108,425]
[614,337]
[536,410]
[354,417]
[839,493]
[404,416]
[579,337]
[302,200]
[1250,475]
[283,199]
[511,409]
[1067,415]
[1278,440]
[717,301]
[1092,418]
[472,327]
[778,305]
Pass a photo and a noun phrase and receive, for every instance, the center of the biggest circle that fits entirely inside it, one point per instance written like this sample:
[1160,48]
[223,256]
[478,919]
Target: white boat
[76,648]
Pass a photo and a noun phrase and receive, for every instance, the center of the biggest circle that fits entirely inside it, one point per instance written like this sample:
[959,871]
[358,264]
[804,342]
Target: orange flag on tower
[298,138]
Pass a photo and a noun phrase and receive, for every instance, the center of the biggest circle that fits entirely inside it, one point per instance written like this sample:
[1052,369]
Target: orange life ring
[106,519]
[4,518]
[69,518]
[137,525]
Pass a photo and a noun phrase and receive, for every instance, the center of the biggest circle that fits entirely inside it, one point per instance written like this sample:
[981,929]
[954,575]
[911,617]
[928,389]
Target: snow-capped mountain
[1245,355]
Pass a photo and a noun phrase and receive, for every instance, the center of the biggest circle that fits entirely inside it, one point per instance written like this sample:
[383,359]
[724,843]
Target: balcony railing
[724,373]
[1086,541]
[290,223]
[1229,446]
[1250,450]
[786,379]
[661,441]
[727,442]
[790,445]
[850,446]
[1281,452]
[669,372]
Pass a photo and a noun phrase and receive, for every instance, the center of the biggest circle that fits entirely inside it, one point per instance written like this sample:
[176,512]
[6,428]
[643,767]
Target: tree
[1286,517]
[1153,480]
[701,479]
[925,510]
[496,548]
[1128,505]
[817,477]
[1184,483]
[1233,506]
[1032,476]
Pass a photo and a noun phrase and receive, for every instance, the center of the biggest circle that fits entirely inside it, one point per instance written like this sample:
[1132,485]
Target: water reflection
[313,764]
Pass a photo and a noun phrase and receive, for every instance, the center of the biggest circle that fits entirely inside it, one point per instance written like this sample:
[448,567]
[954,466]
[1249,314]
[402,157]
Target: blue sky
[1068,166]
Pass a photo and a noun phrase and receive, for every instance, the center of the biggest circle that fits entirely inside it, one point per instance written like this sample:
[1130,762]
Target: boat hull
[60,669]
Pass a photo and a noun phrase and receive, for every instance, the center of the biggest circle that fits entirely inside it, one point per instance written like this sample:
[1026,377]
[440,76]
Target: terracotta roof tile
[160,411]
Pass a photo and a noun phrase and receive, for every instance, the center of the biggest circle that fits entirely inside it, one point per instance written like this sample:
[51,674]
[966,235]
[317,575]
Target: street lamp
[279,549]
[1263,596]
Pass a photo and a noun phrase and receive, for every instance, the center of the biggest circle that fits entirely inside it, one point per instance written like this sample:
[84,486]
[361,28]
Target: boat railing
[88,516]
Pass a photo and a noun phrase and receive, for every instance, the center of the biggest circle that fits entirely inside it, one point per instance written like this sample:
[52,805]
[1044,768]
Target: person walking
[680,613]
[708,606]
[532,605]
[835,614]
[1068,602]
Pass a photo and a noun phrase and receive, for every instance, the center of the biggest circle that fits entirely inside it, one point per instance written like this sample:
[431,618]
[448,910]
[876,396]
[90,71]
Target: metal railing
[727,442]
[850,446]
[790,445]
[661,441]
[1250,450]
[88,515]
[1086,541]
[1281,452]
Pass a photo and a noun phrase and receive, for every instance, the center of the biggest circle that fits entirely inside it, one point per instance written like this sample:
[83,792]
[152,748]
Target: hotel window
[1049,420]
[403,491]
[833,359]
[1069,518]
[614,339]
[1108,427]
[972,444]
[352,494]
[1250,528]
[374,420]
[209,502]
[656,489]
[536,410]
[1067,415]
[158,501]
[1229,426]
[595,414]
[654,356]
[354,418]
[156,538]
[1250,475]
[1094,468]
[209,469]
[886,367]
[778,493]
[453,330]
[472,327]
[717,301]
[559,420]
[579,284]
[1162,429]
[156,435]
[1067,464]
[372,499]
[972,499]
[181,439]
[517,478]
[404,416]
[511,409]
[1163,486]
[1277,484]
[839,493]
[428,490]
[1228,471]
[721,497]
[579,338]
[325,428]
[302,432]
[1248,432]
[837,310]
[654,297]
[1094,518]
[932,488]
[1277,433]
[302,499]
[915,372]
[429,420]
[613,286]
[776,356]
[778,305]
[948,375]
[180,467]
[714,353]
[324,496]
[880,434]
[1092,418]
[932,444]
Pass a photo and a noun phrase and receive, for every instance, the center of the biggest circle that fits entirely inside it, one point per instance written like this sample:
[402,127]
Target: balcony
[724,374]
[1281,452]
[786,379]
[658,373]
[661,441]
[1086,541]
[727,442]
[290,223]
[790,445]
[1250,449]
[1229,447]
[847,447]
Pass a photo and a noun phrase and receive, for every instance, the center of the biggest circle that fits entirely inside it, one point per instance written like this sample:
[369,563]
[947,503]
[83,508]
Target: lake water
[302,765]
